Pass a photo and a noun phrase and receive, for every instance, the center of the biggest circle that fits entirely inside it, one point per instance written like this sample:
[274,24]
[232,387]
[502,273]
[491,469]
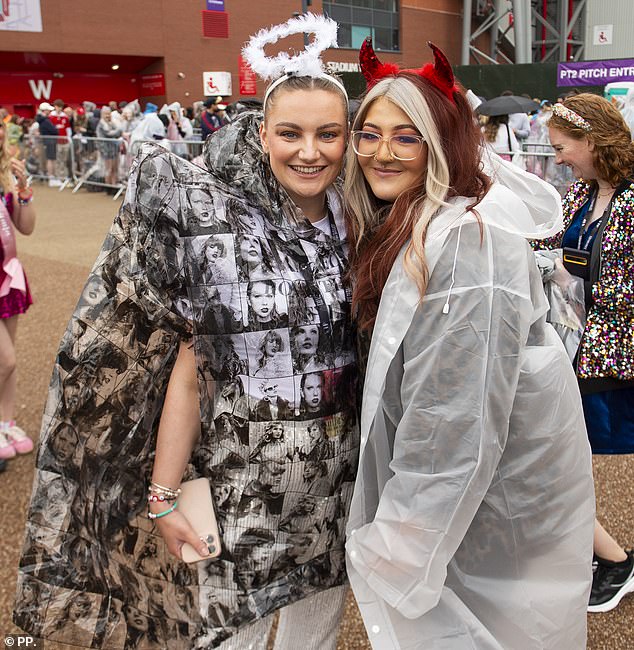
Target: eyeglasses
[401,147]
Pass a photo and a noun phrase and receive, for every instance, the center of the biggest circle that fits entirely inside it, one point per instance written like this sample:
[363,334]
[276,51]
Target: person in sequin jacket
[590,136]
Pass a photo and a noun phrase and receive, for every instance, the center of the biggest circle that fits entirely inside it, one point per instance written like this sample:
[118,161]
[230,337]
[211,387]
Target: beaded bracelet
[27,200]
[158,515]
[159,498]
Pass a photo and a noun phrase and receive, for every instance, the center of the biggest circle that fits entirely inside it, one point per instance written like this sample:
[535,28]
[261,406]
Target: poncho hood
[234,155]
[536,212]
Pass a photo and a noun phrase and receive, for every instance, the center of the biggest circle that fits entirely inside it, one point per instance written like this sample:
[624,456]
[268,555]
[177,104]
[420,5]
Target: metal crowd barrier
[49,158]
[106,163]
[539,159]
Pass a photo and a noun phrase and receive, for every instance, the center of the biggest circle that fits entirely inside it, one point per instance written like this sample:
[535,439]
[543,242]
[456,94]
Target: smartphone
[196,505]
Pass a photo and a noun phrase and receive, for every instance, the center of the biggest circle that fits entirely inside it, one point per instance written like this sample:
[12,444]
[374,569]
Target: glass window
[359,34]
[383,38]
[360,18]
[382,18]
[341,14]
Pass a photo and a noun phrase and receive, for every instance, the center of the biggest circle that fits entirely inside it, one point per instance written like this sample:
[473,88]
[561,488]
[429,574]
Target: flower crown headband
[570,116]
[307,63]
[439,73]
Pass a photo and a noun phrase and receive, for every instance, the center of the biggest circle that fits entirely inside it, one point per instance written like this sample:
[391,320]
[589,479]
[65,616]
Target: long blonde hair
[379,230]
[6,177]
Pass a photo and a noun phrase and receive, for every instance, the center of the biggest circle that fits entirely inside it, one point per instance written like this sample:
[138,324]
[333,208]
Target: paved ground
[57,258]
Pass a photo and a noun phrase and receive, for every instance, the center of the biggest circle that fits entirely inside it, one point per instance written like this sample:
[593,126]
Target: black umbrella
[506,105]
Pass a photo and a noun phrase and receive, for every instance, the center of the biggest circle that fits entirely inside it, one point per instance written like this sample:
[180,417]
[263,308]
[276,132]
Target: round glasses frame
[378,139]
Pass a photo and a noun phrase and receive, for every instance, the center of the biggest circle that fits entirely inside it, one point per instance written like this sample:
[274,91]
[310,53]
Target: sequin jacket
[607,344]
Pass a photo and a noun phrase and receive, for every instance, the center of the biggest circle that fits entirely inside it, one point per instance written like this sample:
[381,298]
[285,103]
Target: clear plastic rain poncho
[472,517]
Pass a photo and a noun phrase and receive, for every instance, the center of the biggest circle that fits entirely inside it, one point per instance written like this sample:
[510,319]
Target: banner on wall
[33,88]
[152,84]
[216,83]
[20,16]
[595,73]
[248,78]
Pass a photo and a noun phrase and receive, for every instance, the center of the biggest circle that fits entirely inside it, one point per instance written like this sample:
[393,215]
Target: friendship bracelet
[570,116]
[159,498]
[27,200]
[158,515]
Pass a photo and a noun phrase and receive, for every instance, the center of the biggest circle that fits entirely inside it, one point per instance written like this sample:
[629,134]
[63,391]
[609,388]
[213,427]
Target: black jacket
[46,126]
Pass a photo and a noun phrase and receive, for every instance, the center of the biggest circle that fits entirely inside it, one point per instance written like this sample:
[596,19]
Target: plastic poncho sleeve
[131,315]
[459,376]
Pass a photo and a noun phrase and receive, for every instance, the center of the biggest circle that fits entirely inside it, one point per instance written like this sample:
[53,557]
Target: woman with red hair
[472,515]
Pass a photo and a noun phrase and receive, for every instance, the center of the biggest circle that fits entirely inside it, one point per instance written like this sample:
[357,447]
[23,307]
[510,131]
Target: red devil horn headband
[439,73]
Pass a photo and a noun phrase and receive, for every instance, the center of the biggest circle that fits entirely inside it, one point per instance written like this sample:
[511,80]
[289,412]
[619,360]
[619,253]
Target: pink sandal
[18,438]
[7,450]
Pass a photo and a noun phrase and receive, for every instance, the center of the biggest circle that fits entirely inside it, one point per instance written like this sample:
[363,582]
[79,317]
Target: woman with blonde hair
[16,213]
[472,514]
[590,136]
[281,168]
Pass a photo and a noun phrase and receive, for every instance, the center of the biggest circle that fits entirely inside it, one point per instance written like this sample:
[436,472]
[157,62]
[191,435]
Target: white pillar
[467,8]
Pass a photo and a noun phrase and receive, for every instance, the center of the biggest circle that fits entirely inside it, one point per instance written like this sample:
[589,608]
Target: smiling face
[389,177]
[576,154]
[276,431]
[304,134]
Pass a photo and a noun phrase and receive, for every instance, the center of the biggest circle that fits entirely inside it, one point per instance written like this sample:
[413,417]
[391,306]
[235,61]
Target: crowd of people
[524,137]
[105,139]
[344,329]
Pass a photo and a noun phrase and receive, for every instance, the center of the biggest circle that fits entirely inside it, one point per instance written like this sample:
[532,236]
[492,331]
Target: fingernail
[203,550]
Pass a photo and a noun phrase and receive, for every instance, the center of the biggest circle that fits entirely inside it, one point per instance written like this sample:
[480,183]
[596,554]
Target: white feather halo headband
[307,63]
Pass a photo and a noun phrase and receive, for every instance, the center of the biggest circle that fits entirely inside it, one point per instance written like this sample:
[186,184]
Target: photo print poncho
[220,256]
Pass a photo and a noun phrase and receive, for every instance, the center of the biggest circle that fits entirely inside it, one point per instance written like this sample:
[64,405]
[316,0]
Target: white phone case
[196,505]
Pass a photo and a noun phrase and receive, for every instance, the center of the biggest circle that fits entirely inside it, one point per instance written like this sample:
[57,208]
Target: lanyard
[595,224]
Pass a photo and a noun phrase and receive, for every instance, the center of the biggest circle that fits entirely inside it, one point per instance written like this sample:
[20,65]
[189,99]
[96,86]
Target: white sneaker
[54,182]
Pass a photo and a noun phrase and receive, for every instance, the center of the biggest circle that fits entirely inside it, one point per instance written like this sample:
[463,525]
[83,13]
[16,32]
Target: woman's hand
[18,169]
[561,276]
[176,531]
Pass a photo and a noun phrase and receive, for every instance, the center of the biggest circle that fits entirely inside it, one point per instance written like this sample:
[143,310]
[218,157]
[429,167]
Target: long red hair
[377,239]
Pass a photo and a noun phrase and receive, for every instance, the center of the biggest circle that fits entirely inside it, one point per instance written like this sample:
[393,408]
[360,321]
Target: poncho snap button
[391,340]
[376,629]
